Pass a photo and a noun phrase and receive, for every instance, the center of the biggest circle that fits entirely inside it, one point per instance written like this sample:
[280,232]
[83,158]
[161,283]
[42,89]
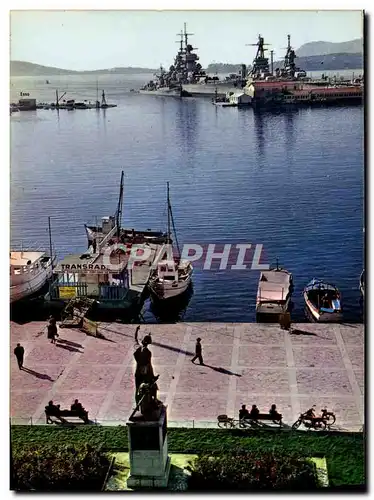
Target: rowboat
[322,299]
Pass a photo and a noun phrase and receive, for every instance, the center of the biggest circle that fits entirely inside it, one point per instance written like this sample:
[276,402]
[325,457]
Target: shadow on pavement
[36,374]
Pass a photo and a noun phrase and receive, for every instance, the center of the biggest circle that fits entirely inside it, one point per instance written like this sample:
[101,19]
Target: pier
[245,363]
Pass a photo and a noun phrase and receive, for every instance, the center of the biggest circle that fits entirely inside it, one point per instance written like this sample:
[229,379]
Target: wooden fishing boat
[172,277]
[322,300]
[274,291]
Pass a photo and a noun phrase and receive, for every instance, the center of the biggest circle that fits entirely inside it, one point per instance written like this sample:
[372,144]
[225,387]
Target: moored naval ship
[169,83]
[289,85]
[163,85]
[186,76]
[197,82]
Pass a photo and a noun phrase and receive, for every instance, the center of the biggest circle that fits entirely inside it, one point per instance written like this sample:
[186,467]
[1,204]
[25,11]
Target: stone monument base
[150,481]
[148,452]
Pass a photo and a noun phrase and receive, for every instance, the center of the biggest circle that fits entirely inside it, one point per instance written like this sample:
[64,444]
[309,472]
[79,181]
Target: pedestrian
[52,330]
[198,352]
[19,351]
[137,334]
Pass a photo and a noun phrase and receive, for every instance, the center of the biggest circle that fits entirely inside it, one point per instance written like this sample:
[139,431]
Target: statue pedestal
[148,452]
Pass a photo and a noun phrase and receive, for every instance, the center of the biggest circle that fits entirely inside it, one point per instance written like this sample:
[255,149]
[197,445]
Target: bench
[225,421]
[276,418]
[65,413]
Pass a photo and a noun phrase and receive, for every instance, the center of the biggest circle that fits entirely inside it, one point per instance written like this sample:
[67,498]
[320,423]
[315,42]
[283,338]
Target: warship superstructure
[261,70]
[186,76]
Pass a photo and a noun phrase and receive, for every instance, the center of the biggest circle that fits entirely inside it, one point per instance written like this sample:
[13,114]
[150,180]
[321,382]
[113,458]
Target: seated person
[273,412]
[243,413]
[77,406]
[52,409]
[325,301]
[254,413]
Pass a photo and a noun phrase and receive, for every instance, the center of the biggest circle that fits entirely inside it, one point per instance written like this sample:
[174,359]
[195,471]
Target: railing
[105,292]
[185,424]
[29,246]
[113,292]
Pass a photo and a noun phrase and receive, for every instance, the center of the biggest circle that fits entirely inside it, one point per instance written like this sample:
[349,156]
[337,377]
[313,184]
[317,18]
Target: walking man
[137,334]
[19,351]
[198,352]
[52,330]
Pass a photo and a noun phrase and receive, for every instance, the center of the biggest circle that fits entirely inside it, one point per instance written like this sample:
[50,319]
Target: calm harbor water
[291,180]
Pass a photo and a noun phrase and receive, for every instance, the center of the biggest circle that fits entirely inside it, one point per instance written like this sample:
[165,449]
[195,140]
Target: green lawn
[344,451]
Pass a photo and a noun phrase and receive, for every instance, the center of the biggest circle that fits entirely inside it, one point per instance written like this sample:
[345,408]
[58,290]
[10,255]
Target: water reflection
[258,115]
[187,122]
[172,310]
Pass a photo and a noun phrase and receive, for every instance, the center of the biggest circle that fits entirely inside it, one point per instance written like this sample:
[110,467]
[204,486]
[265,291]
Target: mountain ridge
[331,54]
[320,48]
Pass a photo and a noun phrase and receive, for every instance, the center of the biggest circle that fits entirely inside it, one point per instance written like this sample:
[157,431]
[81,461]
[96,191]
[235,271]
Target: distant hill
[23,68]
[323,48]
[330,62]
[222,68]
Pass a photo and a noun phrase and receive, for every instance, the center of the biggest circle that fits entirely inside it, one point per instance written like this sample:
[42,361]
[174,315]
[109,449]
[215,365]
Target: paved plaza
[246,363]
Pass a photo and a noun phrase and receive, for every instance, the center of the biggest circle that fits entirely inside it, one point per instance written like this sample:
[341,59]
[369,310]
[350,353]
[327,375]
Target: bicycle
[225,422]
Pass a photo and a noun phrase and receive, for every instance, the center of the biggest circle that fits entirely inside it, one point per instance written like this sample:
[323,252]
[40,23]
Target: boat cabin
[90,275]
[25,265]
[167,270]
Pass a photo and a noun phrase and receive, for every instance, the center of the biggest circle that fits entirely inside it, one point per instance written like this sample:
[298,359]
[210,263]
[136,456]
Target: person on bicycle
[310,415]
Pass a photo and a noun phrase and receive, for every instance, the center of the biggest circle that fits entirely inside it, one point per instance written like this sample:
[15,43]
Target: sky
[88,40]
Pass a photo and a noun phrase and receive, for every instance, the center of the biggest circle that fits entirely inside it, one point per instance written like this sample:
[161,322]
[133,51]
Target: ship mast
[186,35]
[260,62]
[168,203]
[119,206]
[171,222]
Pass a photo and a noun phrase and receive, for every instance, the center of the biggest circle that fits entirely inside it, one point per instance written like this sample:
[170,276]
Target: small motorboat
[362,283]
[274,292]
[323,301]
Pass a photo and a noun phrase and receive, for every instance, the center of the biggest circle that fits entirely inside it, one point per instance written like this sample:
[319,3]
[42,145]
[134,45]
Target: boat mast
[171,219]
[50,240]
[168,203]
[119,206]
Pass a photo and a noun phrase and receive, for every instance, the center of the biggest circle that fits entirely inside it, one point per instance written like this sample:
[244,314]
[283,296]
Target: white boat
[323,301]
[172,276]
[274,291]
[29,271]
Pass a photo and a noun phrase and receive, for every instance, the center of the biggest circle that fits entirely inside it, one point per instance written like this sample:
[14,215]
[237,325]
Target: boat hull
[162,92]
[272,308]
[165,291]
[321,316]
[28,288]
[210,89]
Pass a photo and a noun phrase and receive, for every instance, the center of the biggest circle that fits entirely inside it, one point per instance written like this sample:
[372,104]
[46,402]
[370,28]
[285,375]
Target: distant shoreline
[328,62]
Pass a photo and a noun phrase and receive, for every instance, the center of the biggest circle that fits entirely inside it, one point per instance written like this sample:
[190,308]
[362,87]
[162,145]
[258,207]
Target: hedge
[344,451]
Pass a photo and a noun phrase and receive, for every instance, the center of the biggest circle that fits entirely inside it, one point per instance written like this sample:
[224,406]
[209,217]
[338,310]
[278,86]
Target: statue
[145,382]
